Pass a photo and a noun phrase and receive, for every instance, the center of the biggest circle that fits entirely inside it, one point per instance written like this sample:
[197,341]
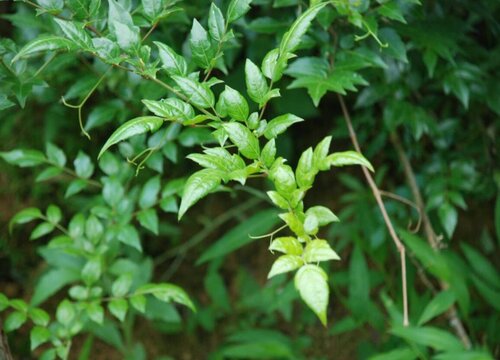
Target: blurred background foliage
[426,112]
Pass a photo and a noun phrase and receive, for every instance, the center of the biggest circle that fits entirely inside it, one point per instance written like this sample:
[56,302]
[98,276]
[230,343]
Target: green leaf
[92,271]
[236,9]
[292,37]
[41,230]
[348,158]
[216,23]
[278,200]
[44,43]
[305,171]
[428,336]
[54,214]
[197,187]
[311,282]
[4,302]
[51,282]
[173,63]
[285,263]
[118,307]
[76,33]
[95,312]
[279,124]
[202,50]
[405,353]
[323,215]
[288,245]
[38,336]
[121,286]
[24,216]
[138,302]
[152,8]
[148,218]
[274,64]
[244,139]
[14,321]
[283,178]
[121,26]
[166,292]
[149,193]
[236,105]
[481,265]
[319,250]
[256,83]
[65,312]
[131,128]
[49,173]
[198,94]
[55,155]
[172,109]
[129,236]
[238,236]
[268,154]
[438,305]
[83,165]
[23,158]
[448,216]
[464,355]
[320,154]
[39,317]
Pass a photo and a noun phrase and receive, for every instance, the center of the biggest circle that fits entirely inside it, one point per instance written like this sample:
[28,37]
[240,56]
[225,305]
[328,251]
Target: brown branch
[387,220]
[5,353]
[430,234]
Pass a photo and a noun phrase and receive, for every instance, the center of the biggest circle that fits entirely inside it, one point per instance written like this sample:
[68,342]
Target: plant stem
[380,203]
[431,236]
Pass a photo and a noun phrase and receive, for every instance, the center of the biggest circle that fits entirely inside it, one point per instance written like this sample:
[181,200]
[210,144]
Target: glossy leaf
[173,63]
[201,47]
[256,83]
[198,185]
[236,105]
[198,94]
[319,250]
[311,282]
[285,263]
[348,158]
[172,109]
[216,23]
[44,43]
[279,125]
[237,8]
[245,141]
[131,128]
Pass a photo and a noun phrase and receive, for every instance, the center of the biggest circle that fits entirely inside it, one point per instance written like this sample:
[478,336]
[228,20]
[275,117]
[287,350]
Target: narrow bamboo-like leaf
[244,139]
[198,186]
[292,37]
[279,125]
[44,43]
[429,336]
[131,128]
[348,158]
[311,282]
[439,304]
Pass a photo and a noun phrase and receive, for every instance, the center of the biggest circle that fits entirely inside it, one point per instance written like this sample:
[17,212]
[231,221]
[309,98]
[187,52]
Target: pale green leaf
[285,263]
[173,63]
[348,158]
[319,250]
[311,282]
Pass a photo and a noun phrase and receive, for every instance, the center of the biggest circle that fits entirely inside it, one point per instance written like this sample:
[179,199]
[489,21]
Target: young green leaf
[152,8]
[23,157]
[288,245]
[320,154]
[279,124]
[173,63]
[118,307]
[44,43]
[76,33]
[235,103]
[198,186]
[283,178]
[285,263]
[65,312]
[172,109]
[268,154]
[323,215]
[216,23]
[256,83]
[311,282]
[292,37]
[274,64]
[198,94]
[243,138]
[305,171]
[236,9]
[38,336]
[319,250]
[166,292]
[348,158]
[131,128]
[201,47]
